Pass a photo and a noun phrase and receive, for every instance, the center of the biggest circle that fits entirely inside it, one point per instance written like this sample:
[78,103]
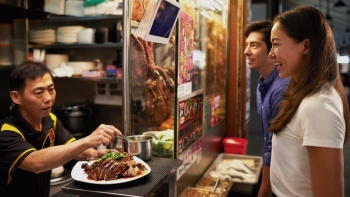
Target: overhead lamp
[328,16]
[340,3]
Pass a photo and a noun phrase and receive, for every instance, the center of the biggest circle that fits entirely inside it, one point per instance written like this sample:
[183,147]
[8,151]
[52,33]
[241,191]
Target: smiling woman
[303,45]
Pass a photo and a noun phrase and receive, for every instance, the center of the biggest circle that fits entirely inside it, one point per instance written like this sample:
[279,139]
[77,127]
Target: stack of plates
[55,60]
[46,36]
[80,67]
[86,36]
[68,34]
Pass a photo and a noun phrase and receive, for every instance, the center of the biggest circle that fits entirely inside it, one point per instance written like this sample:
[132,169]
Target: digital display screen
[164,20]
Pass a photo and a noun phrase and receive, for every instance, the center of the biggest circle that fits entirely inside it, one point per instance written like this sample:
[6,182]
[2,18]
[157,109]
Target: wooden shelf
[76,18]
[110,79]
[65,46]
[3,67]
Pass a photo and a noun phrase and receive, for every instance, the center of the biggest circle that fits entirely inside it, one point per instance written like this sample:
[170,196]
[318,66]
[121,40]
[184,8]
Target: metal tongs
[123,137]
[216,184]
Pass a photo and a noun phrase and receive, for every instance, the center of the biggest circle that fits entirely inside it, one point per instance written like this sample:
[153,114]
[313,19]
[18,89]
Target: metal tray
[208,183]
[254,163]
[194,191]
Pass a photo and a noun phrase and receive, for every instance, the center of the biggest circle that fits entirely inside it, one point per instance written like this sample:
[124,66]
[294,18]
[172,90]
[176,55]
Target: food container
[162,143]
[86,36]
[56,172]
[80,66]
[235,145]
[193,191]
[162,148]
[74,8]
[54,6]
[208,183]
[76,118]
[140,147]
[252,163]
[55,60]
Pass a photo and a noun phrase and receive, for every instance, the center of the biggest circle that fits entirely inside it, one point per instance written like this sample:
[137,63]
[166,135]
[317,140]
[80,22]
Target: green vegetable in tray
[162,143]
[112,155]
[165,137]
[162,148]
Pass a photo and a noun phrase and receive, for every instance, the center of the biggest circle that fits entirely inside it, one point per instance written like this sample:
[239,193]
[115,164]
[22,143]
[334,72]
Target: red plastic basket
[235,145]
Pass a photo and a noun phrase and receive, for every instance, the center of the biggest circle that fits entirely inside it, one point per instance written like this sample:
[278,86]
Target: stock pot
[76,118]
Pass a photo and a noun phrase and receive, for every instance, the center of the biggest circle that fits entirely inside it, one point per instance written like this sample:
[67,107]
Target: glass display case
[177,91]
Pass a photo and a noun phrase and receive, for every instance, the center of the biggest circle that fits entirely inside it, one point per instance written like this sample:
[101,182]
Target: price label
[184,89]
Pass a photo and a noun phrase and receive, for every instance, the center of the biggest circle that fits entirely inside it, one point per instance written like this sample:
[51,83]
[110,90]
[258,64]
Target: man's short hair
[264,27]
[28,70]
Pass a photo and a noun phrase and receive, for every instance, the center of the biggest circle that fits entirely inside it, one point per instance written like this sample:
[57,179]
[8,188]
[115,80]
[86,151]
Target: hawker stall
[158,70]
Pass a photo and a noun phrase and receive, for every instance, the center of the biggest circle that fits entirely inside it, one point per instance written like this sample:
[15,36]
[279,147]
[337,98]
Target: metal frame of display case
[126,56]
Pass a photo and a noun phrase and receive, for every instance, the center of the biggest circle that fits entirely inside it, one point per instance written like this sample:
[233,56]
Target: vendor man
[33,141]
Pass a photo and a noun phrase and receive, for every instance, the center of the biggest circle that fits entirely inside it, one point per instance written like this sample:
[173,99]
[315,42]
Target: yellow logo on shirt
[51,135]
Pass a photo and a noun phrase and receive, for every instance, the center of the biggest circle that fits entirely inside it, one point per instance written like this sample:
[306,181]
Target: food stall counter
[162,169]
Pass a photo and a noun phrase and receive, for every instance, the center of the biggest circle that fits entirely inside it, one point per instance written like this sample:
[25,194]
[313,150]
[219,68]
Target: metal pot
[140,147]
[76,118]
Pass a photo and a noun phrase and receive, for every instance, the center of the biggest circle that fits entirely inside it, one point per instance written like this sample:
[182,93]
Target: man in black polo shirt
[33,141]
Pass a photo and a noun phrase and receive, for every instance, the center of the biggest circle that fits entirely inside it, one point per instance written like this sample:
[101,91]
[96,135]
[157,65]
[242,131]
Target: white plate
[78,174]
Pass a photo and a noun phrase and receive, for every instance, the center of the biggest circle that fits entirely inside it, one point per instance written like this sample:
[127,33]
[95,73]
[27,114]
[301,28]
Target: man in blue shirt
[269,92]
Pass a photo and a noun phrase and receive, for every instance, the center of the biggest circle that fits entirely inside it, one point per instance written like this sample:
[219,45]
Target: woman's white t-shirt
[318,122]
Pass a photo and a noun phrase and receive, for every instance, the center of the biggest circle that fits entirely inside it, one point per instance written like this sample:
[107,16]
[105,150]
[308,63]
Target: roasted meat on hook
[155,99]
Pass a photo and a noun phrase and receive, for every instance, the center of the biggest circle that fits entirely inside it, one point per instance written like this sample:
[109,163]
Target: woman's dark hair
[320,69]
[27,70]
[264,27]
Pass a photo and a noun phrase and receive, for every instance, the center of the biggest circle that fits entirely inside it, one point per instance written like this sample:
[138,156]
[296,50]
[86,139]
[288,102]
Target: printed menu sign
[190,122]
[185,54]
[192,156]
[215,110]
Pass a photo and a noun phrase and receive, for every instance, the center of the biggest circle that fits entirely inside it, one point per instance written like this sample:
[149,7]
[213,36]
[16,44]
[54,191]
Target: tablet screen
[164,20]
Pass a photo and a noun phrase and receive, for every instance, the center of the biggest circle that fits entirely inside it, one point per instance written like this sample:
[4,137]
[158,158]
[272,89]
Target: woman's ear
[306,46]
[15,96]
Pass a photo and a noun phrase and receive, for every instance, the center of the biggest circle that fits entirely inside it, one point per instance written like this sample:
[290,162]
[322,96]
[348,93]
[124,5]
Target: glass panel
[162,75]
[152,79]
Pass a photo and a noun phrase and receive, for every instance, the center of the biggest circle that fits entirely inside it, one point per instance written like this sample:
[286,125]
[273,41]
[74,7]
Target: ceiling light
[340,3]
[328,16]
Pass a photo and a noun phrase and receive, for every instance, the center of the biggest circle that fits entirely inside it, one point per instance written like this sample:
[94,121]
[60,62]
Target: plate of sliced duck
[111,168]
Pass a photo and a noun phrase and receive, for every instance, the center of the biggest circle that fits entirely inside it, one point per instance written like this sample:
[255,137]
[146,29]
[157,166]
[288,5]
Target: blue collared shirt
[269,93]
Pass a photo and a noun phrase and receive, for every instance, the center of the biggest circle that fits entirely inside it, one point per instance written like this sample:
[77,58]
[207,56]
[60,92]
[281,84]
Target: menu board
[192,156]
[185,71]
[190,121]
[215,110]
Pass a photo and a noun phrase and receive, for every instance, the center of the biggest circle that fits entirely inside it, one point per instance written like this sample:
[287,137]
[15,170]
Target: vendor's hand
[104,134]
